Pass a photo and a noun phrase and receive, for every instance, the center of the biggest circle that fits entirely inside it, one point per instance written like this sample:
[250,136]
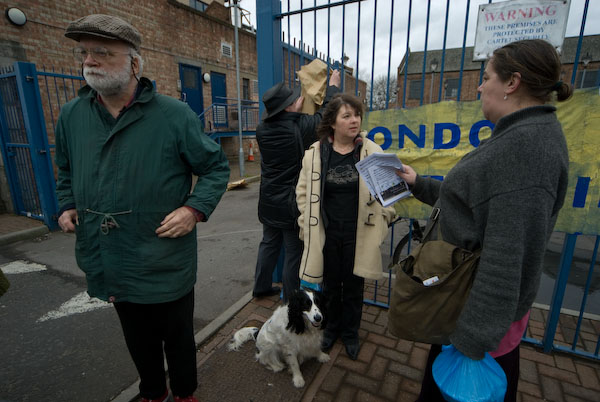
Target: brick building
[587,72]
[182,40]
[188,48]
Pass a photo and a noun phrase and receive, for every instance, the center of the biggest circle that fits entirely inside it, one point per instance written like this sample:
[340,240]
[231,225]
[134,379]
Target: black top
[282,141]
[341,188]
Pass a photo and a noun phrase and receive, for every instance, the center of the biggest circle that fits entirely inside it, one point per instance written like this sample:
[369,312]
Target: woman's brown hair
[330,114]
[539,65]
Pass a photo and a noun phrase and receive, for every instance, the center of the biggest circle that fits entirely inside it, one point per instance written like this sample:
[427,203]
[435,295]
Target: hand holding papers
[378,170]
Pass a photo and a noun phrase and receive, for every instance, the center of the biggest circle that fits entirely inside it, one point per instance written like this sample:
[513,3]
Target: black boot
[352,348]
[329,339]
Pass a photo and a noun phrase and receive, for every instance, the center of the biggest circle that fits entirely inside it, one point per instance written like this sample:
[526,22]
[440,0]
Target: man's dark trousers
[268,253]
[146,327]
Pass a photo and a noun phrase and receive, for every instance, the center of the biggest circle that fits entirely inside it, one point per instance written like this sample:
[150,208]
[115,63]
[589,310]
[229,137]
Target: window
[246,91]
[255,88]
[451,88]
[414,89]
[190,78]
[198,5]
[245,88]
[226,49]
[590,78]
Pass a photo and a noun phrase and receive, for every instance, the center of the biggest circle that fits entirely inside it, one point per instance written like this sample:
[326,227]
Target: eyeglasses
[98,54]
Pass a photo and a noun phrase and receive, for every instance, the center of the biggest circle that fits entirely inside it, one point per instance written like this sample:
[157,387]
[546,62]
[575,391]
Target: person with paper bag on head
[282,136]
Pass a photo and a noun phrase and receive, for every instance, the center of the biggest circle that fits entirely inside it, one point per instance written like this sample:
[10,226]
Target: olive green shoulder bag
[431,287]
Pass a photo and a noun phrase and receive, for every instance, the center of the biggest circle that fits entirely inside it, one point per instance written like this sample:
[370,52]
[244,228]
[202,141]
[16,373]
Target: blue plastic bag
[461,379]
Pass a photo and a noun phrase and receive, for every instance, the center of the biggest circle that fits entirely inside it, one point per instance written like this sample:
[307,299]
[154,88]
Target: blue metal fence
[221,119]
[273,15]
[27,135]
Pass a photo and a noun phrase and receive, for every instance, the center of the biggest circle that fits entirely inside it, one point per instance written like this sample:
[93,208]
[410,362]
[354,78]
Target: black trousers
[342,290]
[146,327]
[509,363]
[268,253]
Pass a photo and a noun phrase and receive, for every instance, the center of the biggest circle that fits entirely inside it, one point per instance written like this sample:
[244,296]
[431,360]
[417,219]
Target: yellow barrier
[433,138]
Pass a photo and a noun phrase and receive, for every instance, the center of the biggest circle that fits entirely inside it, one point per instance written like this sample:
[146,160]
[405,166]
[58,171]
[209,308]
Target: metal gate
[27,122]
[279,57]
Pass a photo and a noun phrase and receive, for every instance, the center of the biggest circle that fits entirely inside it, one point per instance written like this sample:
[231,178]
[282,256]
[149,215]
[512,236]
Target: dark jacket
[282,140]
[133,172]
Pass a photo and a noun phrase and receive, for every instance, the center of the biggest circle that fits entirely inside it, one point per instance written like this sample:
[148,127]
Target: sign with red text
[499,24]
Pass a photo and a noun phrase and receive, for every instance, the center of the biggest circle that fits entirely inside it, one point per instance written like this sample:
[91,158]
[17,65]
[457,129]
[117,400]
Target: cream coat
[372,223]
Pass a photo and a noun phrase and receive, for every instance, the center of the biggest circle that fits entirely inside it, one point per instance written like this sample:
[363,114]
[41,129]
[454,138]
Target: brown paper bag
[313,78]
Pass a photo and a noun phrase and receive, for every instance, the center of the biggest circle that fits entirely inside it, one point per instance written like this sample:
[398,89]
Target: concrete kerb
[132,392]
[23,235]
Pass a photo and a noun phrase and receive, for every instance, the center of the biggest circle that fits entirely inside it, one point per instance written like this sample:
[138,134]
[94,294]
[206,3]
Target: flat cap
[104,26]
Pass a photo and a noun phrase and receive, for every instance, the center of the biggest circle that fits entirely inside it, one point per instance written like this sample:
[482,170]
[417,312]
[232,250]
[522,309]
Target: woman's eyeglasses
[98,53]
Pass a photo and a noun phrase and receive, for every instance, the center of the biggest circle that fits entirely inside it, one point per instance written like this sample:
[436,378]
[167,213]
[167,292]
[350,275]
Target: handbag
[431,287]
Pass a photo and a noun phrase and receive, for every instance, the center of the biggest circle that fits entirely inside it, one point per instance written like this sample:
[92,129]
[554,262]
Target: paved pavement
[387,368]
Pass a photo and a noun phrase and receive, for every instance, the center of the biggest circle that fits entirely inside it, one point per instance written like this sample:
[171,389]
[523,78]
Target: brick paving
[391,369]
[10,223]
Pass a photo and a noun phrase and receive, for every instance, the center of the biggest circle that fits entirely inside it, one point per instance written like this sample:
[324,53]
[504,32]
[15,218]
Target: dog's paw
[298,381]
[276,368]
[323,357]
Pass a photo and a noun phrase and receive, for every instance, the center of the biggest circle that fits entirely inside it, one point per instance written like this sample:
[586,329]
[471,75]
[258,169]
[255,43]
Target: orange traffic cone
[250,154]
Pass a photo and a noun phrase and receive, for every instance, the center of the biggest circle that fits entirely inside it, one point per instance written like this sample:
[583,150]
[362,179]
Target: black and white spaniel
[290,336]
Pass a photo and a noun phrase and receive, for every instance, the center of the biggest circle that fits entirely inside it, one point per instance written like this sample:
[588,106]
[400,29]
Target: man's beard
[107,84]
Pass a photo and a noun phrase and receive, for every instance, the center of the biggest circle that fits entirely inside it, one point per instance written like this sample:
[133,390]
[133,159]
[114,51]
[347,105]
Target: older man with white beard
[125,158]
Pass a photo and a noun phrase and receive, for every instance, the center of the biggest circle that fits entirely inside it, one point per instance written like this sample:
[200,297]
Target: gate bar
[387,93]
[315,8]
[373,56]
[443,51]
[559,290]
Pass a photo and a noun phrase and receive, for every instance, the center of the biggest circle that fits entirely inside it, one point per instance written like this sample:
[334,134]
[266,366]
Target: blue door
[191,87]
[219,98]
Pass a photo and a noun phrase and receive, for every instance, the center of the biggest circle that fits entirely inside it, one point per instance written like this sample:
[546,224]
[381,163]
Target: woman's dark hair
[329,115]
[539,65]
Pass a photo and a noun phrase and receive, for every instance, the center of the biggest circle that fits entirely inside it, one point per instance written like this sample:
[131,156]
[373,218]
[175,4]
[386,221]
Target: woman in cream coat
[341,224]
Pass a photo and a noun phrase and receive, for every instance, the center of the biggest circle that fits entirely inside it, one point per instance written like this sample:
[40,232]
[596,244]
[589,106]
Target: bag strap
[433,218]
[433,221]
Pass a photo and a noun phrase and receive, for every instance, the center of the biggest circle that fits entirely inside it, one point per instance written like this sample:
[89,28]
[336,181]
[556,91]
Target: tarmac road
[82,356]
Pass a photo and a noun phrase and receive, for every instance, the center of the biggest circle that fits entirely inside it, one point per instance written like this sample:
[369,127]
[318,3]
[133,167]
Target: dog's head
[305,307]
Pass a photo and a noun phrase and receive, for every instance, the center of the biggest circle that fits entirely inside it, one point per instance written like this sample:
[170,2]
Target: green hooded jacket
[124,176]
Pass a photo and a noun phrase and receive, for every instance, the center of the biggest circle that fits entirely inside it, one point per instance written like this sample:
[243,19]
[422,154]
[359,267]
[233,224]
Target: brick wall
[470,83]
[172,33]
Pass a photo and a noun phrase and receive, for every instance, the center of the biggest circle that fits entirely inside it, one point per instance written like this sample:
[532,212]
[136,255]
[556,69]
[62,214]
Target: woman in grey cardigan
[504,197]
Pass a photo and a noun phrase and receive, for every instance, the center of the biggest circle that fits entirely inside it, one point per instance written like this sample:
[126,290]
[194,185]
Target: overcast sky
[456,23]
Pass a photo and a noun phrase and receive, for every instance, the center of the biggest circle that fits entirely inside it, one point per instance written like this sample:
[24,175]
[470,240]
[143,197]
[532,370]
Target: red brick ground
[391,369]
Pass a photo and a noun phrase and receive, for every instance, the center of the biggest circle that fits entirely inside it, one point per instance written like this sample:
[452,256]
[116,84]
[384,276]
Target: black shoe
[275,290]
[328,341]
[352,348]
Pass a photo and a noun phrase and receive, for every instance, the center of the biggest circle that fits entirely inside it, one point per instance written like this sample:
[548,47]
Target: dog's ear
[295,316]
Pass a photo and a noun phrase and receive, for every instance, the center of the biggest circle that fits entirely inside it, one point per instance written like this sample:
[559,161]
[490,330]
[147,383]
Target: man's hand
[335,79]
[178,223]
[296,106]
[67,220]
